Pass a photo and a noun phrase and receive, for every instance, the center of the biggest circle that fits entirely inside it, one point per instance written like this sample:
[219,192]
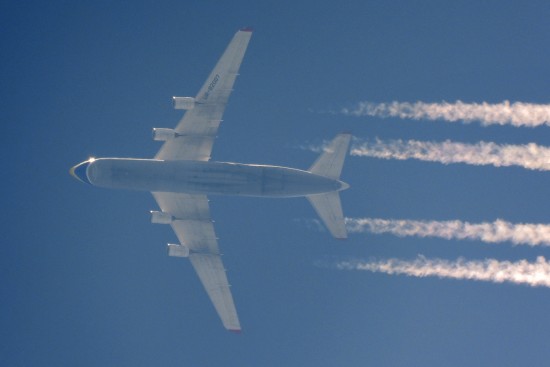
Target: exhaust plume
[536,274]
[529,156]
[505,113]
[497,231]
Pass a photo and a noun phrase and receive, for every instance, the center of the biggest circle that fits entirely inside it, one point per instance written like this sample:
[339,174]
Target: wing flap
[198,235]
[183,206]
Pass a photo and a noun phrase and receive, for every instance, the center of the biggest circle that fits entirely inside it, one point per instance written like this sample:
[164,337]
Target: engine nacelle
[161,217]
[163,134]
[184,103]
[178,250]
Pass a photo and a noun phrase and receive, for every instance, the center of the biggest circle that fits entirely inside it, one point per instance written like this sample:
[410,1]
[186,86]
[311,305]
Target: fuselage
[198,177]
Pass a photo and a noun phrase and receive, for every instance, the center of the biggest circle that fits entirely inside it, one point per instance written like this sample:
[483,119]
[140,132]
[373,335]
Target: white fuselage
[198,177]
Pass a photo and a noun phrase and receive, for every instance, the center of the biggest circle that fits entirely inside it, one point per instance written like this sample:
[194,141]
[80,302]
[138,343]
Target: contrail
[493,232]
[530,156]
[535,274]
[505,113]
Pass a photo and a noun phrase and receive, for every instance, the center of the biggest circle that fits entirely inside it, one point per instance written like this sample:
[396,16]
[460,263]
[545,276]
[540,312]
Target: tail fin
[328,205]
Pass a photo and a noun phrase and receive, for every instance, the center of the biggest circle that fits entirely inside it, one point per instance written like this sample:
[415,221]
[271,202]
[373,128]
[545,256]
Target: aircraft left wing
[197,129]
[192,224]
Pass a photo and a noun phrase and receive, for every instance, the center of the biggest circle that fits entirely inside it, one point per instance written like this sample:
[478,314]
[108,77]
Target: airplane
[181,175]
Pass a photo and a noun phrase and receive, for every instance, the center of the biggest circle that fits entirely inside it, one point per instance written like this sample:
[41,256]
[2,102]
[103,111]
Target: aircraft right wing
[194,229]
[197,129]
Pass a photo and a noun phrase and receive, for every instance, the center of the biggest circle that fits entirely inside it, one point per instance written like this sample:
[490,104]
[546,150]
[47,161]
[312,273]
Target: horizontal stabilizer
[328,207]
[329,164]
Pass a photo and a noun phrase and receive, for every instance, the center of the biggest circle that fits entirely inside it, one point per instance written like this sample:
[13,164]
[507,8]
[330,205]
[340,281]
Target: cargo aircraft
[181,175]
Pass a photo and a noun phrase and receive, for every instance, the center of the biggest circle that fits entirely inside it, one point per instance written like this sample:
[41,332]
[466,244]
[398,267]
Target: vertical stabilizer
[328,205]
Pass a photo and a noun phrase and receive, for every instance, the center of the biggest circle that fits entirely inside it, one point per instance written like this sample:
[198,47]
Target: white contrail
[497,231]
[505,113]
[530,156]
[490,270]
[315,148]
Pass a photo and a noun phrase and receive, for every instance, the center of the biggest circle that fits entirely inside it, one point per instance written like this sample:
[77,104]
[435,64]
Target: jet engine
[161,217]
[178,250]
[183,103]
[163,134]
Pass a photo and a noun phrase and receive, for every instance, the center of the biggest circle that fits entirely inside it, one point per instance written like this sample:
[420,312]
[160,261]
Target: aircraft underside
[218,178]
[181,176]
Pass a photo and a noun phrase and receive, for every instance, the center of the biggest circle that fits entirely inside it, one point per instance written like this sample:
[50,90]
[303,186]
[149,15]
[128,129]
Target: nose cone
[79,171]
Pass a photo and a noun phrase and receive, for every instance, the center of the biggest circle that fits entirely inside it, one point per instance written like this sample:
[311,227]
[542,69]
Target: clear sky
[85,279]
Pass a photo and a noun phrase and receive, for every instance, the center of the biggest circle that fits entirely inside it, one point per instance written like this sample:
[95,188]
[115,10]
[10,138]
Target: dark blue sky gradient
[85,279]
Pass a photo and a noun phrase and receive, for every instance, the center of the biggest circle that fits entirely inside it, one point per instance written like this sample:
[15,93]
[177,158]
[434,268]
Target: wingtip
[235,331]
[247,29]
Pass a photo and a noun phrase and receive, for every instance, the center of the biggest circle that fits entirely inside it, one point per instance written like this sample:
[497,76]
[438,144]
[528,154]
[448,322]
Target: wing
[194,229]
[198,127]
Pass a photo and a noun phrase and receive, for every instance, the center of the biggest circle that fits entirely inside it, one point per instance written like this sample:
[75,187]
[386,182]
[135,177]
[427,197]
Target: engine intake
[178,250]
[161,217]
[184,103]
[163,134]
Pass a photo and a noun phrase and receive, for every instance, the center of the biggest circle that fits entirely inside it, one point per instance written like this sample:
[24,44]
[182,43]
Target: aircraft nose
[343,185]
[79,171]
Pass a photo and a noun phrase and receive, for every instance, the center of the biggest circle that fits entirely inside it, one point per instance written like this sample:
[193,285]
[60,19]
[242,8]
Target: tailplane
[330,163]
[328,205]
[329,209]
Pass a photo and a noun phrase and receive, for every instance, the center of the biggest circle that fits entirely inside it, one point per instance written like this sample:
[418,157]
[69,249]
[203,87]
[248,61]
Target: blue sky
[85,277]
